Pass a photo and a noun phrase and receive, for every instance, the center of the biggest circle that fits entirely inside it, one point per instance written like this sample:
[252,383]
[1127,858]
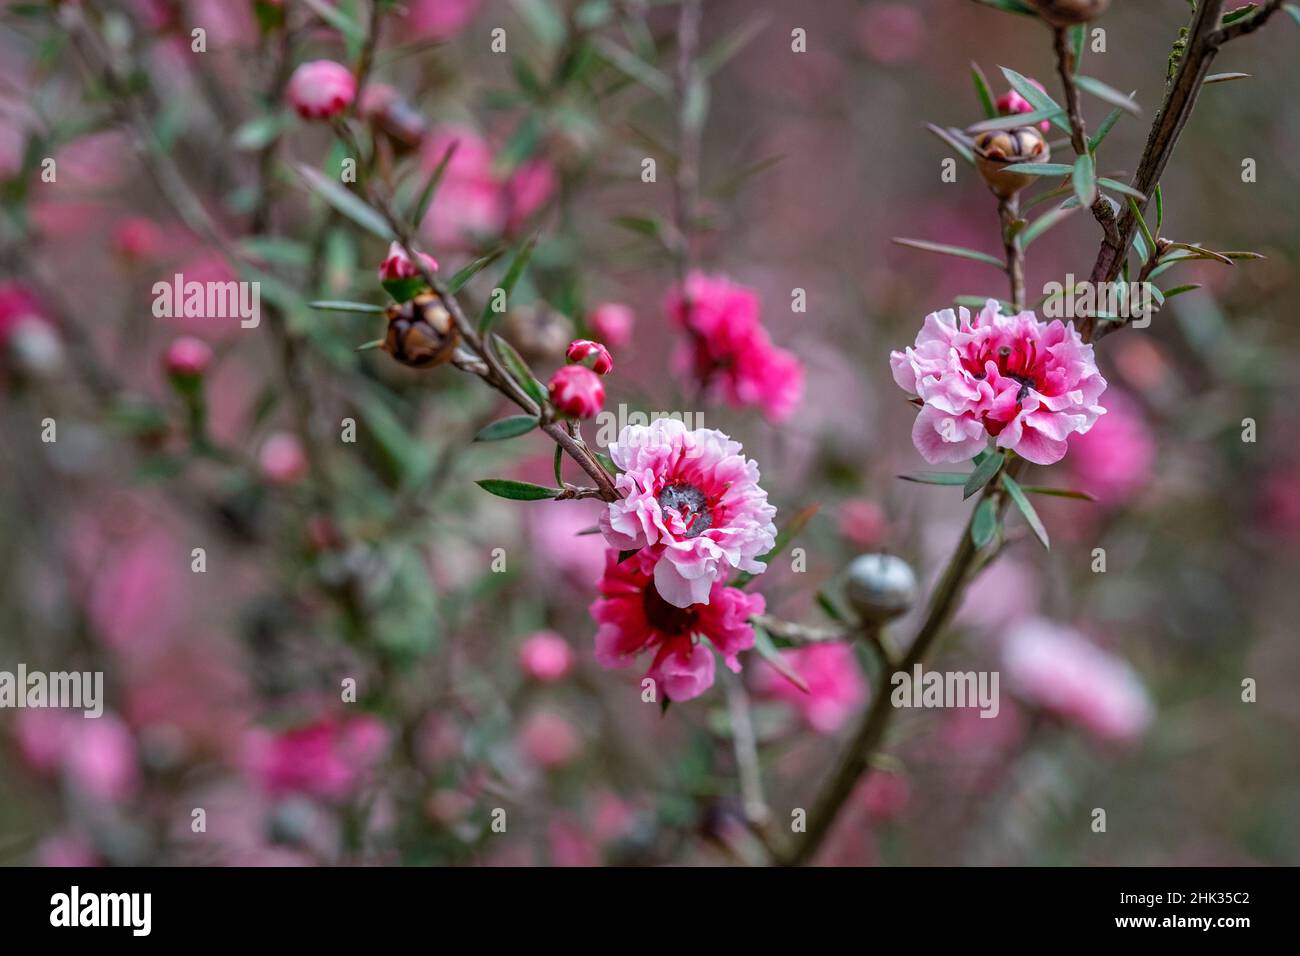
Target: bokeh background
[377,565]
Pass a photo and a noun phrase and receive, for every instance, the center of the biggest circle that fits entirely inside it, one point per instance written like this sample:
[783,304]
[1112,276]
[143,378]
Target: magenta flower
[729,353]
[612,322]
[1113,461]
[694,499]
[398,265]
[577,391]
[1026,384]
[835,686]
[582,349]
[321,89]
[1058,670]
[633,617]
[187,357]
[329,758]
[546,656]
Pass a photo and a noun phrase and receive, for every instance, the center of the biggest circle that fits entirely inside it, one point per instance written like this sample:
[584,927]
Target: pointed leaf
[946,250]
[1112,96]
[1041,169]
[339,306]
[510,427]
[431,187]
[1036,97]
[516,269]
[1022,502]
[982,91]
[458,281]
[1224,78]
[1013,121]
[952,139]
[517,490]
[1058,492]
[983,473]
[769,652]
[1045,222]
[346,202]
[1114,185]
[1084,180]
[984,525]
[1106,126]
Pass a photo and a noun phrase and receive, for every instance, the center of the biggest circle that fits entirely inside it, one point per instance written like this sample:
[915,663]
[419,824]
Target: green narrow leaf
[1022,502]
[769,652]
[511,427]
[1293,11]
[1180,289]
[1009,6]
[982,91]
[1240,13]
[457,282]
[946,250]
[516,269]
[558,466]
[950,137]
[1036,97]
[985,523]
[1110,95]
[337,306]
[431,187]
[1084,180]
[1224,78]
[1078,38]
[1013,121]
[346,202]
[1058,492]
[635,67]
[1045,222]
[369,346]
[1148,239]
[1041,169]
[520,370]
[517,490]
[1106,126]
[1114,185]
[1160,209]
[725,49]
[982,474]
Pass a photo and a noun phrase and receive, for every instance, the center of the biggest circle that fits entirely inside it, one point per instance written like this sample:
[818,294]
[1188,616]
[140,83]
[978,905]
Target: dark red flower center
[664,617]
[691,504]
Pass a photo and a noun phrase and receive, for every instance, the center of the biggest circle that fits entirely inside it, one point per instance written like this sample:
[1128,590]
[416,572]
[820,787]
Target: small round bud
[1067,13]
[577,391]
[282,459]
[187,357]
[400,277]
[995,150]
[582,349]
[421,332]
[880,587]
[321,89]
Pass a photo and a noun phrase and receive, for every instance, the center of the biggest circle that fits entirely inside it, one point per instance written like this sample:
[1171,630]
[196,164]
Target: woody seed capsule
[995,150]
[421,332]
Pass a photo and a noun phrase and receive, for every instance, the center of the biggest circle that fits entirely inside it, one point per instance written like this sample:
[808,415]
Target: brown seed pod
[1067,13]
[421,332]
[995,150]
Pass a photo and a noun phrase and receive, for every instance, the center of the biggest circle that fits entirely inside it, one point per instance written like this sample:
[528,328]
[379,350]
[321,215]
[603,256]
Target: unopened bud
[880,587]
[421,332]
[995,150]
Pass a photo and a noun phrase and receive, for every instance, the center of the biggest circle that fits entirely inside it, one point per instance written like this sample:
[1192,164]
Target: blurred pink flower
[560,547]
[633,617]
[612,323]
[437,19]
[570,844]
[891,32]
[331,758]
[1027,384]
[546,656]
[863,523]
[187,357]
[694,499]
[1279,503]
[18,306]
[137,589]
[728,351]
[884,796]
[836,689]
[1114,459]
[137,238]
[549,740]
[282,459]
[1057,669]
[65,849]
[576,391]
[321,89]
[100,758]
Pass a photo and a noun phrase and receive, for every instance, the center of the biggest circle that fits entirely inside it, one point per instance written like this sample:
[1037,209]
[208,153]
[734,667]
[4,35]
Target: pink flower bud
[282,459]
[187,357]
[137,238]
[546,656]
[1012,102]
[399,266]
[612,322]
[321,89]
[583,349]
[577,391]
[549,741]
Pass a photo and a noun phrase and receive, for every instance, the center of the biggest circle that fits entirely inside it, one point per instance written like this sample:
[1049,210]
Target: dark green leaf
[520,370]
[1142,226]
[1180,289]
[510,427]
[1084,179]
[936,478]
[982,91]
[983,472]
[1160,208]
[1010,6]
[1106,126]
[517,490]
[431,187]
[1045,222]
[1022,502]
[333,306]
[474,268]
[1057,492]
[984,525]
[558,466]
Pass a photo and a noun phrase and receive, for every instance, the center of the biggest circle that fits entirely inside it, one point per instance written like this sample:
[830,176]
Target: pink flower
[561,547]
[633,617]
[398,264]
[137,238]
[321,89]
[729,352]
[330,758]
[549,740]
[694,499]
[863,522]
[577,391]
[836,689]
[1059,670]
[282,459]
[527,191]
[18,307]
[546,656]
[1012,102]
[187,357]
[1026,384]
[469,203]
[612,322]
[100,758]
[582,349]
[891,32]
[1113,460]
[438,19]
